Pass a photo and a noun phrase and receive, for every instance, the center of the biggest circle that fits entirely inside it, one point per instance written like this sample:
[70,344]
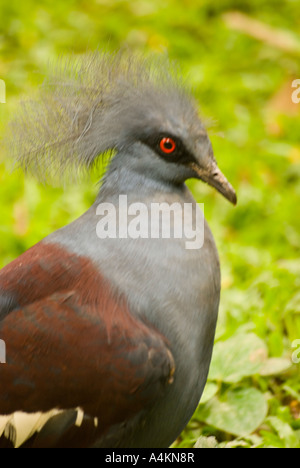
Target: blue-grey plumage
[141,111]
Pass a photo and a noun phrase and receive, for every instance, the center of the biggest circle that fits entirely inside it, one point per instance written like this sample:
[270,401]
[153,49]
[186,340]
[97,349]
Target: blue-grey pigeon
[109,322]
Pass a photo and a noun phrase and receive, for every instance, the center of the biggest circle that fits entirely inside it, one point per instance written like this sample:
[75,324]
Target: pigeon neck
[122,177]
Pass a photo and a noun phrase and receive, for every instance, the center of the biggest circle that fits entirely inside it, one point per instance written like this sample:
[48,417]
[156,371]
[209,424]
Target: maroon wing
[70,342]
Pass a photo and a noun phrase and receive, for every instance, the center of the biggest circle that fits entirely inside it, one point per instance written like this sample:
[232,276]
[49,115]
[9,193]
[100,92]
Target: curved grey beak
[214,177]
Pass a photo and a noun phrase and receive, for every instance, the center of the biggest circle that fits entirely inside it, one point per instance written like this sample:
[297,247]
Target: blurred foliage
[241,67]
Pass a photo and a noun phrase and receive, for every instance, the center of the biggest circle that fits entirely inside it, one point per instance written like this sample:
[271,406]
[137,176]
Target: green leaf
[239,356]
[206,442]
[210,390]
[294,304]
[239,411]
[273,366]
[285,433]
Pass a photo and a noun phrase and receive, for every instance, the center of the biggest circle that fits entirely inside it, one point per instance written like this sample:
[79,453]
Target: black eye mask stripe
[180,155]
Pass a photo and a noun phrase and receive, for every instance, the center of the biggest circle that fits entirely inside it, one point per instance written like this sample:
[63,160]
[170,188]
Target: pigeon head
[121,104]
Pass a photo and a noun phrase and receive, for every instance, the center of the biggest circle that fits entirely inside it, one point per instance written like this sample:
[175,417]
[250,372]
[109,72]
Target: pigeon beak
[214,177]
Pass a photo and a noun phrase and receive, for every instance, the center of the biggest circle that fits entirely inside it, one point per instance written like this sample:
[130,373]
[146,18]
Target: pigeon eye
[167,145]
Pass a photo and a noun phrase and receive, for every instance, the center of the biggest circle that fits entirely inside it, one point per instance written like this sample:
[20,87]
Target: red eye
[167,145]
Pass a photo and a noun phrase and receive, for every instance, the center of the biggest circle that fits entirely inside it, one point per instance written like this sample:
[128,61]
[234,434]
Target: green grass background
[243,84]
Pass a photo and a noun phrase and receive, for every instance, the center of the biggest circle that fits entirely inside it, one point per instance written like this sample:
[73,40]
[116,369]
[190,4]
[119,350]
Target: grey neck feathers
[125,176]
